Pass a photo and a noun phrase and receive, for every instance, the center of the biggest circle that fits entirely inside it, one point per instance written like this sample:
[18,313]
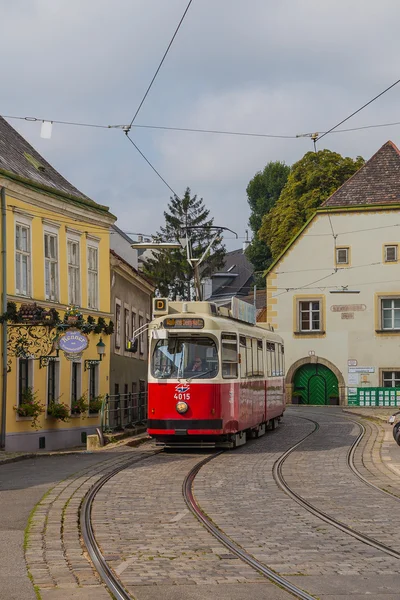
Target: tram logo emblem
[182,388]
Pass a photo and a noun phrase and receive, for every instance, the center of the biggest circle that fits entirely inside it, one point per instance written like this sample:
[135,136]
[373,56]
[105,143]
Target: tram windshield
[191,358]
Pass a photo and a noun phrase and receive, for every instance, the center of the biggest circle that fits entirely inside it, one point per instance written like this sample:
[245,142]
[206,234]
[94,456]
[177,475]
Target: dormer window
[391,253]
[342,256]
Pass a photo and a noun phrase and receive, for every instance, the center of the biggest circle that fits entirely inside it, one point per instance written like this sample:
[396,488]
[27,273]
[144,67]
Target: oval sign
[73,342]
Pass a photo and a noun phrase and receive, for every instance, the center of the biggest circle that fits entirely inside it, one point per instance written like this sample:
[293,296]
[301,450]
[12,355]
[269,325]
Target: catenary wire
[358,110]
[161,63]
[149,163]
[191,129]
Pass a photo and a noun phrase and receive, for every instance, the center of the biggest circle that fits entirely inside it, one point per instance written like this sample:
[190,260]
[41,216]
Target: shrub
[80,405]
[58,410]
[30,406]
[95,404]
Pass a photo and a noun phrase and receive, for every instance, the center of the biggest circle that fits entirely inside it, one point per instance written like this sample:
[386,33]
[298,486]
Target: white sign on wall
[361,369]
[353,379]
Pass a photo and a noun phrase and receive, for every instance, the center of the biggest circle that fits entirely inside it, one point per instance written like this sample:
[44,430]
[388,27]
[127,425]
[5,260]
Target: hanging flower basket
[79,406]
[30,407]
[58,410]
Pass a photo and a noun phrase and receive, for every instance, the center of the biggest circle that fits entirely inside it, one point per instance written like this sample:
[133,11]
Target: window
[191,358]
[391,378]
[127,336]
[51,266]
[23,379]
[74,283]
[310,315]
[249,358]
[390,308]
[93,277]
[270,359]
[22,260]
[52,381]
[260,358]
[133,324]
[242,342]
[391,253]
[118,326]
[229,355]
[141,336]
[75,381]
[342,256]
[93,382]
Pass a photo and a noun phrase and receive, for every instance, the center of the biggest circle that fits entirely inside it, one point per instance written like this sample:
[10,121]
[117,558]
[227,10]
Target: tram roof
[217,318]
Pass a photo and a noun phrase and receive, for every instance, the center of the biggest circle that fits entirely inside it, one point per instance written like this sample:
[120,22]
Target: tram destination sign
[183,323]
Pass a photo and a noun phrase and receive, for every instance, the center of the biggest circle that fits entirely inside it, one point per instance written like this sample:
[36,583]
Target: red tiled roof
[376,182]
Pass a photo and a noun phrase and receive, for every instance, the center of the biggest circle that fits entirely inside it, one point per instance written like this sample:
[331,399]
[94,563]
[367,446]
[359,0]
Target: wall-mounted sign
[73,343]
[352,362]
[361,369]
[353,378]
[348,307]
[347,315]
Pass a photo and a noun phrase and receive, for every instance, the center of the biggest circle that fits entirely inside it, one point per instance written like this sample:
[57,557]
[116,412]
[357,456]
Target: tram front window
[191,358]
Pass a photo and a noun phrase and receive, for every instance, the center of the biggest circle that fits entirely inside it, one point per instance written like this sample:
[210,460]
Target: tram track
[116,587]
[283,485]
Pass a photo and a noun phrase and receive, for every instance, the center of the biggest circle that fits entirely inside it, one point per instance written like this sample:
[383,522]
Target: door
[315,384]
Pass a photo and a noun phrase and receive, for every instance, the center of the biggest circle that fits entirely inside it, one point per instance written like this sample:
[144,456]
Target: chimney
[246,242]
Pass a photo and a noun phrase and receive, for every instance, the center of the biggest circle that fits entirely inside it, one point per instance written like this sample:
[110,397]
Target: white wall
[310,266]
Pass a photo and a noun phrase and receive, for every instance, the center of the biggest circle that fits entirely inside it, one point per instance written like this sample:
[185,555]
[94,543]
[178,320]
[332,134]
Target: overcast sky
[266,66]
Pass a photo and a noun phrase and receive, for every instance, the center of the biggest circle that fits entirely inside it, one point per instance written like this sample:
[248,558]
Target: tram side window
[260,358]
[243,368]
[278,359]
[249,358]
[229,356]
[270,359]
[283,359]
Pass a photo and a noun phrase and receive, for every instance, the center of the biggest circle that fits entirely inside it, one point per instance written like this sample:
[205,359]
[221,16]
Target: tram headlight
[182,407]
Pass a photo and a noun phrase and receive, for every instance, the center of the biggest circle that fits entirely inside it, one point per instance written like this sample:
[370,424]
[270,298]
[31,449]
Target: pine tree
[170,269]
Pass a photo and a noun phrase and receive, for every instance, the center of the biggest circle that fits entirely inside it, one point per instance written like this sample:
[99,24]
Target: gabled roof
[376,182]
[236,276]
[20,161]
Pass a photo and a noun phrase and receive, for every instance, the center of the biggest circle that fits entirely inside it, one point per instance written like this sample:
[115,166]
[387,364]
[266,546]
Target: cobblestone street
[159,550]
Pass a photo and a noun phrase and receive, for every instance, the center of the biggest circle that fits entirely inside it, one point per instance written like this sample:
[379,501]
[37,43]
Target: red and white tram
[214,379]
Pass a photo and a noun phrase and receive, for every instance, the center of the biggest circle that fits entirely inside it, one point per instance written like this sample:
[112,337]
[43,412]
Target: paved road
[22,485]
[161,552]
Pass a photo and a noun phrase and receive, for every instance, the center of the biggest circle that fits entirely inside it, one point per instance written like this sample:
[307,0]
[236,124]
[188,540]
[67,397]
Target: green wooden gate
[315,384]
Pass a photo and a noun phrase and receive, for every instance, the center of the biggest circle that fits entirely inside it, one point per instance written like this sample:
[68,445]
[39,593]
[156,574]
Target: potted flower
[80,405]
[95,404]
[30,406]
[58,410]
[72,315]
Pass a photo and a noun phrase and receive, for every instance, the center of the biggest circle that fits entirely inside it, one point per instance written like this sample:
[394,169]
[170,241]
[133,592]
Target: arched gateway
[314,380]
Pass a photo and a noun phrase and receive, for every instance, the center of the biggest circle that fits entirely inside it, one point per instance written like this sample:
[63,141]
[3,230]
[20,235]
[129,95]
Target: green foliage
[262,193]
[169,269]
[311,181]
[58,410]
[80,405]
[30,406]
[95,404]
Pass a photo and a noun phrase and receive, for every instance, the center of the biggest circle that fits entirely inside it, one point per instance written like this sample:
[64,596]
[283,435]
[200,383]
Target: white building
[334,293]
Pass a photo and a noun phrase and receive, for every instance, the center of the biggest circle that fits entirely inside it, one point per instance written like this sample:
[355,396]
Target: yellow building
[55,253]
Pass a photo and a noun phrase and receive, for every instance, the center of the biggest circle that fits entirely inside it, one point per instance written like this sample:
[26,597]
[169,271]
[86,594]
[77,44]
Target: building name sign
[347,315]
[73,342]
[348,307]
[361,369]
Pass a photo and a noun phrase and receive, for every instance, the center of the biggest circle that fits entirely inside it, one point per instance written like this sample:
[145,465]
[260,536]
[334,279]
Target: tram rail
[117,588]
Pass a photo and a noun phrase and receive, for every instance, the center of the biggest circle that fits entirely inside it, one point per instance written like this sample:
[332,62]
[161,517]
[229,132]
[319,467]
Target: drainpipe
[4,309]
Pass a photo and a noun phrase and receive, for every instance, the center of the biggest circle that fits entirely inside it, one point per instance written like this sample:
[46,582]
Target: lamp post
[101,348]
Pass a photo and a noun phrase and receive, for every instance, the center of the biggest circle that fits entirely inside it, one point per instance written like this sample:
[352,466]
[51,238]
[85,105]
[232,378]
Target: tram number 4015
[183,396]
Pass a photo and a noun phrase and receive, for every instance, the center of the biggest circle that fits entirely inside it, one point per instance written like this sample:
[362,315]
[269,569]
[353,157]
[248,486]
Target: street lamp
[101,348]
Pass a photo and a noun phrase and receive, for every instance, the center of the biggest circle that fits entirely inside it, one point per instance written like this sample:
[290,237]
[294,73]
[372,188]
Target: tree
[262,193]
[311,181]
[169,269]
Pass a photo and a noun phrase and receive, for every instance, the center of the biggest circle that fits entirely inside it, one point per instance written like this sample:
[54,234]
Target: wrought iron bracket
[91,363]
[48,358]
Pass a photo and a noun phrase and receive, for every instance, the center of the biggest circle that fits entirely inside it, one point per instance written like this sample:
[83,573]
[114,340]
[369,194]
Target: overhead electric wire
[192,129]
[149,163]
[161,63]
[358,110]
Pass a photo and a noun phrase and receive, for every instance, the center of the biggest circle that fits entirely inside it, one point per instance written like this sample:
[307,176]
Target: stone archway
[289,380]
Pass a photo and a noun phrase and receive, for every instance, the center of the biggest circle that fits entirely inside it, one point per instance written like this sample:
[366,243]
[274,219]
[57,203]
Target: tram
[215,376]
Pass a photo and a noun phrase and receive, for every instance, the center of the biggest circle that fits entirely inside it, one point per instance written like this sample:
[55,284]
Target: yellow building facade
[57,256]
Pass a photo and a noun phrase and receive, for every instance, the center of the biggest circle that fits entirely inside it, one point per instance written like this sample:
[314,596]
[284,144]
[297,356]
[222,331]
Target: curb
[134,441]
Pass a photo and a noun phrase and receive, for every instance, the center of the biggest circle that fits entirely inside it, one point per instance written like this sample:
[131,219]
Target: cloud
[285,67]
